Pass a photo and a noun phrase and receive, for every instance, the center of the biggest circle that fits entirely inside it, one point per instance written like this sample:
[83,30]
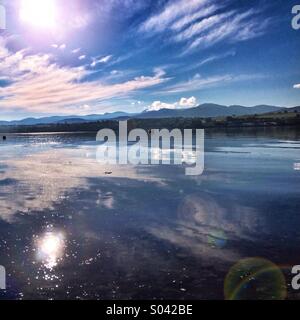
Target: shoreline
[95,127]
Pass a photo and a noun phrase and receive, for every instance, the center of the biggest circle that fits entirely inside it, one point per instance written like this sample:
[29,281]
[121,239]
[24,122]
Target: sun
[39,13]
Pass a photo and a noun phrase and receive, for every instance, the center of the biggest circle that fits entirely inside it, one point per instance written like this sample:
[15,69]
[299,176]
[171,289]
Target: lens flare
[37,13]
[217,239]
[255,279]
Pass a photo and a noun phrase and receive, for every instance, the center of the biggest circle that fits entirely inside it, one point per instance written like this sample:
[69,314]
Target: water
[70,230]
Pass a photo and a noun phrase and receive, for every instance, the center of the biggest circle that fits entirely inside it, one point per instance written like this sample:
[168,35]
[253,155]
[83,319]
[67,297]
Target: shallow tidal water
[69,230]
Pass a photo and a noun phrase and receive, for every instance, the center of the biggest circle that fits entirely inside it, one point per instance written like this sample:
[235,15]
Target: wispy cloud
[212,58]
[297,86]
[105,59]
[202,26]
[199,82]
[76,50]
[38,84]
[62,46]
[172,11]
[203,23]
[100,60]
[189,19]
[233,27]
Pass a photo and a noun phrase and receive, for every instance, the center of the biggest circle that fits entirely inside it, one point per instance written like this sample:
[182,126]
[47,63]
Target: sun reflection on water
[50,248]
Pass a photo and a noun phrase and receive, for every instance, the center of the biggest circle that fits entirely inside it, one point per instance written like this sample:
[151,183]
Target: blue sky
[97,56]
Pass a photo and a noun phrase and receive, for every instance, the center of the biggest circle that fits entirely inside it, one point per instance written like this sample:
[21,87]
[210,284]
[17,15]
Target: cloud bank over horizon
[183,103]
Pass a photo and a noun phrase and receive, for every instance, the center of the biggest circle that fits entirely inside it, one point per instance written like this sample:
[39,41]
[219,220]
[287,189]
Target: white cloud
[85,107]
[104,59]
[188,102]
[135,103]
[297,86]
[76,50]
[158,105]
[38,84]
[181,104]
[62,46]
[82,57]
[159,71]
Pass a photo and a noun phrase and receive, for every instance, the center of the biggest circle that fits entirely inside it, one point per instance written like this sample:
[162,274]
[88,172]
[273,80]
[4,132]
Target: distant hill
[296,109]
[67,119]
[207,110]
[73,120]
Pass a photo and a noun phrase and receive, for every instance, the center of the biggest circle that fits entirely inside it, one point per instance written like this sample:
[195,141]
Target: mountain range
[66,119]
[207,110]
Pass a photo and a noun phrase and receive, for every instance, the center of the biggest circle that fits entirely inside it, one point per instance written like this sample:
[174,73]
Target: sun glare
[39,13]
[50,248]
